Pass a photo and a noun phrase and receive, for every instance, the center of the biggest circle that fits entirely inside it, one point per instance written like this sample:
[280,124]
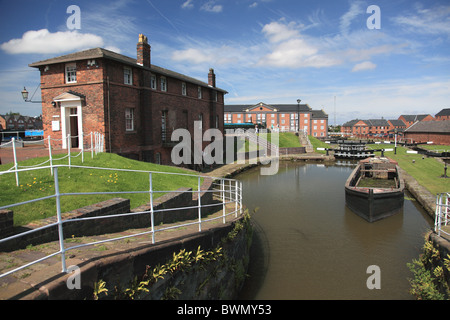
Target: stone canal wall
[426,199]
[217,274]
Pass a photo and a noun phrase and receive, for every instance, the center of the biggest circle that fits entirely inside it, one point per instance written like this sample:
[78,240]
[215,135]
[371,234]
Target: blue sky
[272,51]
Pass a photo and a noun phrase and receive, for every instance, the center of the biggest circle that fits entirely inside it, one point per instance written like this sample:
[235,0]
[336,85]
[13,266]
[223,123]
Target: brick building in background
[135,104]
[414,128]
[283,117]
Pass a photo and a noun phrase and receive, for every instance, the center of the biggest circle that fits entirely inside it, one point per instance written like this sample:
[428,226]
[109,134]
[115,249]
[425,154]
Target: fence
[97,141]
[442,216]
[228,191]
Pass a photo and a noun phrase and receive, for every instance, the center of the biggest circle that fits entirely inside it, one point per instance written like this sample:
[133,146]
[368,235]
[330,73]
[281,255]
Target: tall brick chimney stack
[143,51]
[211,78]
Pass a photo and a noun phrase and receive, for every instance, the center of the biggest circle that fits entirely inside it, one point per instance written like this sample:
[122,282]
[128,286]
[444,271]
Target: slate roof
[434,126]
[377,123]
[369,122]
[350,123]
[397,123]
[100,53]
[414,117]
[443,112]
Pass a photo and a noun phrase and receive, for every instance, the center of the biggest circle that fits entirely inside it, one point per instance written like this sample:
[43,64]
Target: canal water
[308,245]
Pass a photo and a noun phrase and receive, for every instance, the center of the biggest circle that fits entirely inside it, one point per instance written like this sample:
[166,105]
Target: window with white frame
[71,73]
[129,119]
[183,88]
[153,82]
[127,76]
[163,84]
[199,94]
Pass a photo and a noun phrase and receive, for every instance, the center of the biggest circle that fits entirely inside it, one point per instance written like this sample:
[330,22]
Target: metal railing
[97,145]
[442,214]
[227,191]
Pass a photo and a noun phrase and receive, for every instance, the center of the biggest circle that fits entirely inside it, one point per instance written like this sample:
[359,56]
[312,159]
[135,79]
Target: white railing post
[446,211]
[69,143]
[50,154]
[222,191]
[240,198]
[199,206]
[60,227]
[92,146]
[236,198]
[152,221]
[82,147]
[15,160]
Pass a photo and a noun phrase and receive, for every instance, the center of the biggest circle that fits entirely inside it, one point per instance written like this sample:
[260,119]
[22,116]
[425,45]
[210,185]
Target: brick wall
[436,138]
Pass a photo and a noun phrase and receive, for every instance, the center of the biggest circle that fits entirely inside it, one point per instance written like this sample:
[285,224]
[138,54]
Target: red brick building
[410,119]
[19,123]
[283,117]
[135,104]
[371,127]
[444,114]
[437,131]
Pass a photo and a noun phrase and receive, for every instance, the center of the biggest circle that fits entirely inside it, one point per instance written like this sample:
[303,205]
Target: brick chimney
[211,78]
[143,51]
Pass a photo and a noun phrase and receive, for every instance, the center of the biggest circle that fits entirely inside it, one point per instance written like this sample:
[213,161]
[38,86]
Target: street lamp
[25,96]
[298,114]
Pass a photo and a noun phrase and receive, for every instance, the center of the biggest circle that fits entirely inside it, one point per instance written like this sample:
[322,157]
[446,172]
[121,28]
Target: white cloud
[290,49]
[277,31]
[188,4]
[210,6]
[191,55]
[350,15]
[426,21]
[43,41]
[366,65]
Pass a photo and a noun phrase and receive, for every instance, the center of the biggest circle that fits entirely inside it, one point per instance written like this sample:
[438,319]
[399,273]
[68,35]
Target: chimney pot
[143,51]
[211,78]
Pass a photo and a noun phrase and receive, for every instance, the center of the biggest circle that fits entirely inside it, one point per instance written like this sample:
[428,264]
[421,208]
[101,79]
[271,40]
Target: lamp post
[25,96]
[298,115]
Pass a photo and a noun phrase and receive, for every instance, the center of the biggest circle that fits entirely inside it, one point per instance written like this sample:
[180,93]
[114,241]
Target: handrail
[442,213]
[230,191]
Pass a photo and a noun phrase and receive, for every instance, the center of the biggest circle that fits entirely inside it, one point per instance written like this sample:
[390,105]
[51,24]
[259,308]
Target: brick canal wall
[218,278]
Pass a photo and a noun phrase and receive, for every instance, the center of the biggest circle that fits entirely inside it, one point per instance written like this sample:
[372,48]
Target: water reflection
[309,245]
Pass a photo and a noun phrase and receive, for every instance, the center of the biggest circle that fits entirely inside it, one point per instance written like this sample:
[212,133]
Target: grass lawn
[427,171]
[286,140]
[438,148]
[316,143]
[40,183]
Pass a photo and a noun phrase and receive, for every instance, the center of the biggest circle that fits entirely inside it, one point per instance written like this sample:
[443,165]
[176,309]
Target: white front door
[71,124]
[71,119]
